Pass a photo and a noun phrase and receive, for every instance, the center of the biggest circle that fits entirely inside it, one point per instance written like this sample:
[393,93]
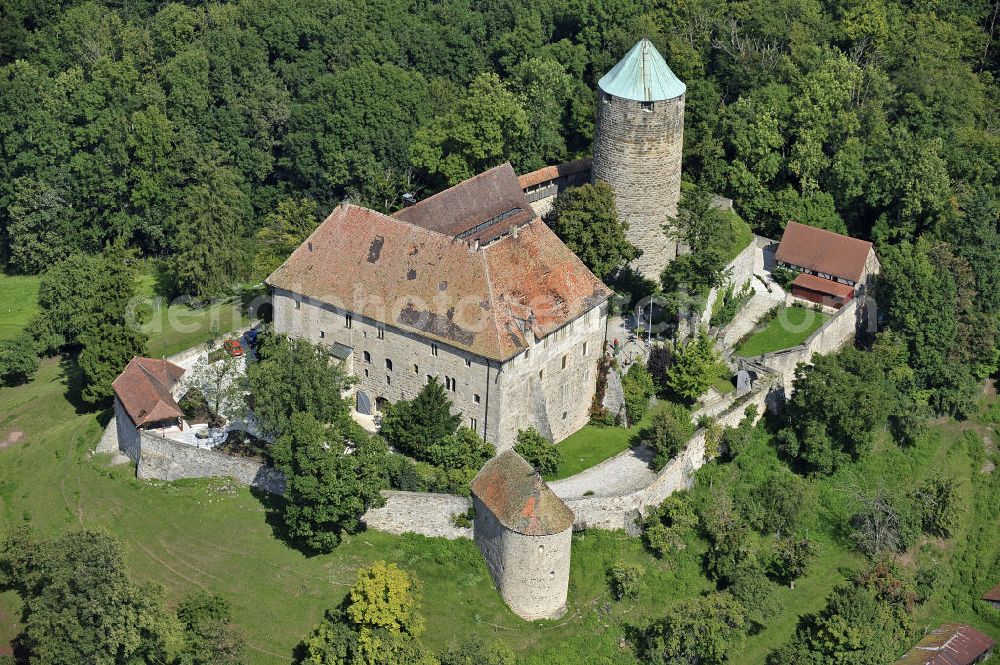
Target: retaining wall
[741,270]
[830,337]
[430,514]
[163,459]
[419,512]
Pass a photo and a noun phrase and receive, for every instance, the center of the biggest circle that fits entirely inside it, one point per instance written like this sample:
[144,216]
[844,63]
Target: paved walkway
[759,304]
[626,472]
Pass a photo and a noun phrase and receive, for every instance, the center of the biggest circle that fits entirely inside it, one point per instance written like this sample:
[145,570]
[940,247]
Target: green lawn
[592,445]
[173,327]
[790,327]
[215,535]
[18,301]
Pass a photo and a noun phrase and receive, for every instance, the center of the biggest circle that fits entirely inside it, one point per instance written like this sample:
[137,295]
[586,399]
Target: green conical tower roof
[642,76]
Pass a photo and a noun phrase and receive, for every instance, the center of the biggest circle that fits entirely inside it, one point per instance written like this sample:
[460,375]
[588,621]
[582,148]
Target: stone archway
[364,403]
[381,404]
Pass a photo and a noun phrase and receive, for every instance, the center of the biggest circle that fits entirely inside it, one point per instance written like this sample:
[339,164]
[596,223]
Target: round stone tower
[524,532]
[637,149]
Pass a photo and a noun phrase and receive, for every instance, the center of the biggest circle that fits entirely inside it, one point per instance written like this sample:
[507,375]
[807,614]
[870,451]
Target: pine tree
[210,249]
[414,426]
[109,338]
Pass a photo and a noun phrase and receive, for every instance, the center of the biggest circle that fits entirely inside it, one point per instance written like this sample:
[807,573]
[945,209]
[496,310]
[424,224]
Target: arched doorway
[380,404]
[364,406]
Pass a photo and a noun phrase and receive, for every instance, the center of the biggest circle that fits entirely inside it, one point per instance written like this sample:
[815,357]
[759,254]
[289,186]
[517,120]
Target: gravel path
[626,472]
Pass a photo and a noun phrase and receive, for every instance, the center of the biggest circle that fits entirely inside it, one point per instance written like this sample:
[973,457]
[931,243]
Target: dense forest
[217,134]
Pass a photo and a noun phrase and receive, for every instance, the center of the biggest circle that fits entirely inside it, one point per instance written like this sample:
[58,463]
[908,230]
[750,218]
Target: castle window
[472,423]
[368,357]
[475,398]
[434,349]
[381,332]
[527,352]
[605,97]
[427,379]
[322,334]
[366,372]
[647,106]
[584,348]
[416,369]
[468,363]
[347,320]
[298,304]
[388,364]
[541,374]
[564,362]
[388,380]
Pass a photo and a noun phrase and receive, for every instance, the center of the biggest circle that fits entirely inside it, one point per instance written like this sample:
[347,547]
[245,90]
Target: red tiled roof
[144,388]
[826,286]
[993,594]
[519,498]
[949,644]
[419,279]
[547,173]
[481,208]
[823,251]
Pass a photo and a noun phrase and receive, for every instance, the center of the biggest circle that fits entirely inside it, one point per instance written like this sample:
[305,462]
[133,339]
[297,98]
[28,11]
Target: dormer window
[647,106]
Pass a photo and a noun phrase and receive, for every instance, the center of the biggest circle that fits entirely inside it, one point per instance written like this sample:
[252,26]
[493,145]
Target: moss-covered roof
[519,498]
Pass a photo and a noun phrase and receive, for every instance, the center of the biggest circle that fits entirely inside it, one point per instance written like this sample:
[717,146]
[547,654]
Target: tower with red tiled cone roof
[524,532]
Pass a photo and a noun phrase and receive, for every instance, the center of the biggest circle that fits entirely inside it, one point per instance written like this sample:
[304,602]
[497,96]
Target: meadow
[219,536]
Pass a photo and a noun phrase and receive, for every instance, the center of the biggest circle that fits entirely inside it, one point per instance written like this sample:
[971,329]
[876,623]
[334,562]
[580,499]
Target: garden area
[785,328]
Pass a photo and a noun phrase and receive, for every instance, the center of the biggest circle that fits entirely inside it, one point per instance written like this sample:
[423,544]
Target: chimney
[409,199]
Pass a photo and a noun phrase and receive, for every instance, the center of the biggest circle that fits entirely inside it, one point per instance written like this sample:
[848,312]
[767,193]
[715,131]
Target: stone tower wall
[638,152]
[530,572]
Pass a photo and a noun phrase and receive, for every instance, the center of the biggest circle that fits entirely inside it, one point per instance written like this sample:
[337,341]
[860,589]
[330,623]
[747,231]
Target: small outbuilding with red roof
[144,399]
[833,268]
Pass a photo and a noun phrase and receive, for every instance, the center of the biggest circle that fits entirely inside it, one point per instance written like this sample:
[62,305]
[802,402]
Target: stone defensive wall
[431,514]
[163,459]
[542,186]
[740,272]
[420,512]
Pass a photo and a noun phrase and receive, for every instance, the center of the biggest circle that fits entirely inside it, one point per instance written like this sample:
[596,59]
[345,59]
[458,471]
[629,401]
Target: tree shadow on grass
[72,376]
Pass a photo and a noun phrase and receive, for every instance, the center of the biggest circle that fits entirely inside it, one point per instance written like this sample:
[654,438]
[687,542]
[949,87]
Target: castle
[471,287]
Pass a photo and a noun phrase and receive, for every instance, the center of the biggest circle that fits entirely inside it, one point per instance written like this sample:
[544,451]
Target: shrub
[937,506]
[784,276]
[625,580]
[538,451]
[195,406]
[465,519]
[666,527]
[18,359]
[637,384]
[669,429]
[401,474]
[757,593]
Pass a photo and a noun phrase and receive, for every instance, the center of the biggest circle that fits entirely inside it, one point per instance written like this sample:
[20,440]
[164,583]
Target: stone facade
[530,572]
[637,150]
[539,387]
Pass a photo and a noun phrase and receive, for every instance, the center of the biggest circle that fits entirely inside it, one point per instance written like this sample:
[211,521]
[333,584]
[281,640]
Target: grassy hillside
[216,535]
[18,298]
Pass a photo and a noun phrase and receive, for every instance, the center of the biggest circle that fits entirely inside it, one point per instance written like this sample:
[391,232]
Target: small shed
[950,644]
[993,596]
[524,532]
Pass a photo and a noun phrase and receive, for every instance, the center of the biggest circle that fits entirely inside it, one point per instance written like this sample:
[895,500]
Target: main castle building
[468,286]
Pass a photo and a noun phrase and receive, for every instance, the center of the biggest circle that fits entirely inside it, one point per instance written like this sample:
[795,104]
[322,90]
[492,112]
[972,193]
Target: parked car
[251,338]
[233,347]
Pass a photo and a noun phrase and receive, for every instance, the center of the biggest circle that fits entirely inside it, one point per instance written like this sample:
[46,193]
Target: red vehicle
[233,347]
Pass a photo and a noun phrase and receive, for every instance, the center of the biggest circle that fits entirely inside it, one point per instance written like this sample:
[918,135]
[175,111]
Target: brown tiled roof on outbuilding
[827,286]
[993,594]
[144,389]
[482,208]
[481,298]
[823,251]
[948,644]
[547,173]
[519,498]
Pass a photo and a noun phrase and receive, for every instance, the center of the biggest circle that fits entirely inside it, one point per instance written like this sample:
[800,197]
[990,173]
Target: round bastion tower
[638,142]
